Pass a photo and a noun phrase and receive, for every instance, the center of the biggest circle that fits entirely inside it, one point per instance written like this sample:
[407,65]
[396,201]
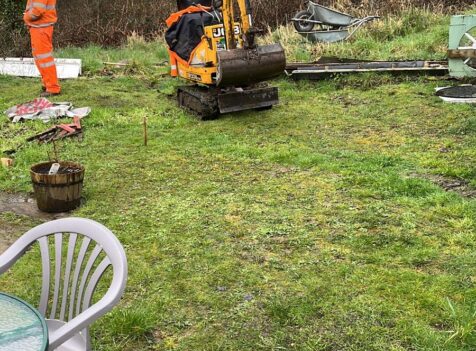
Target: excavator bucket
[242,67]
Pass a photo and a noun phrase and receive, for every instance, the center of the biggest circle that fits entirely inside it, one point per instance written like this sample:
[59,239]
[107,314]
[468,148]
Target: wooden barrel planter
[60,192]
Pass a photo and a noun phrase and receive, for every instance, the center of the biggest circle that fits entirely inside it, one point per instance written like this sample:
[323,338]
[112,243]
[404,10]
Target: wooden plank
[25,67]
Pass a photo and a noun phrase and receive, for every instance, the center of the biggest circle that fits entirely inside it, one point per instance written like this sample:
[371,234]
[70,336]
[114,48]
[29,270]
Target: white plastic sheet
[25,67]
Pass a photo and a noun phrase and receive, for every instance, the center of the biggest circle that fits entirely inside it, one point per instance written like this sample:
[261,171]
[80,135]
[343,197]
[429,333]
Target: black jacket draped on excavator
[185,35]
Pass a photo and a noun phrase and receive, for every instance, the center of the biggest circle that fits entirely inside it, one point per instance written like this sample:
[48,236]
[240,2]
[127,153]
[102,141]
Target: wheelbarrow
[333,25]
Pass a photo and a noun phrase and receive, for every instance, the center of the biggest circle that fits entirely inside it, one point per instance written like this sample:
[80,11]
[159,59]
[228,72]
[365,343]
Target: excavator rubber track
[200,100]
[209,103]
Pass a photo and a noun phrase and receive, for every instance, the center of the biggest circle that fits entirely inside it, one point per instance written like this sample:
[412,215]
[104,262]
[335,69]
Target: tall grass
[413,34]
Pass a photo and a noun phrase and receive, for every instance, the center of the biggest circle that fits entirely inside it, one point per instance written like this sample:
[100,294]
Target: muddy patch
[27,215]
[9,232]
[455,185]
[24,205]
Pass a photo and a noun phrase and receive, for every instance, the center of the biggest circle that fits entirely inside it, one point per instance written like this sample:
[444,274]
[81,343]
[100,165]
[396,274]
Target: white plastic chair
[75,280]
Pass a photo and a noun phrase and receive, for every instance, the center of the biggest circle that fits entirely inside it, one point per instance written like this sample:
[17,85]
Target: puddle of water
[24,205]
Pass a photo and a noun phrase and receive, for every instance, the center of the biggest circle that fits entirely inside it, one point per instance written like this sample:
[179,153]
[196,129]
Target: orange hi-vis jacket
[40,13]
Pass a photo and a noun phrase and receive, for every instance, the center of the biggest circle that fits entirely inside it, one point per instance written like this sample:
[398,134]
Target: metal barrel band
[44,185]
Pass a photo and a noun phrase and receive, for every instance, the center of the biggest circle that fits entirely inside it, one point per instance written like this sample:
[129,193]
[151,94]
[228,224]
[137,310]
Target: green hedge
[11,12]
[108,23]
[13,39]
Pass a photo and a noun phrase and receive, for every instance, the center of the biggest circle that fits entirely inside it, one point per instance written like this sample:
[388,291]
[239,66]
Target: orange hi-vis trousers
[42,49]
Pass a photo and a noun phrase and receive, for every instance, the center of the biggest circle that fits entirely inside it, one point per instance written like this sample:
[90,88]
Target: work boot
[46,94]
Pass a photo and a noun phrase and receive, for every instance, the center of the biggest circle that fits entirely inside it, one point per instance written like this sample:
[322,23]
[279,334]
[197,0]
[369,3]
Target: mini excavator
[211,48]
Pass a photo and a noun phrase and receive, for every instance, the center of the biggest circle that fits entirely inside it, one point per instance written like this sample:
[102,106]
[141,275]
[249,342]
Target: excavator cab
[216,50]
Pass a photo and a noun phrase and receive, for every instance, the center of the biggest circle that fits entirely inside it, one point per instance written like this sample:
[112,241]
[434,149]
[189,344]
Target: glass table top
[21,326]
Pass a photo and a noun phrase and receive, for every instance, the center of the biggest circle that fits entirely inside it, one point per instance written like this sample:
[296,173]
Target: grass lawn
[318,225]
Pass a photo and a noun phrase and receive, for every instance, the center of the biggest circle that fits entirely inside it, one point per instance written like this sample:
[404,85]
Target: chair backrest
[82,252]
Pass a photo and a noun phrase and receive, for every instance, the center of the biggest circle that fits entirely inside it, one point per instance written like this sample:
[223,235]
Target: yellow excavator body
[227,67]
[203,65]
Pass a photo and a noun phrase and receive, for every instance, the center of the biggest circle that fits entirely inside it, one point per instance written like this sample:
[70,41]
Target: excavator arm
[245,22]
[245,13]
[229,24]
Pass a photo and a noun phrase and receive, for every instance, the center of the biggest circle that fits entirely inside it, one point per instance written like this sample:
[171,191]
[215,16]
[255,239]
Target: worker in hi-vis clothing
[40,17]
